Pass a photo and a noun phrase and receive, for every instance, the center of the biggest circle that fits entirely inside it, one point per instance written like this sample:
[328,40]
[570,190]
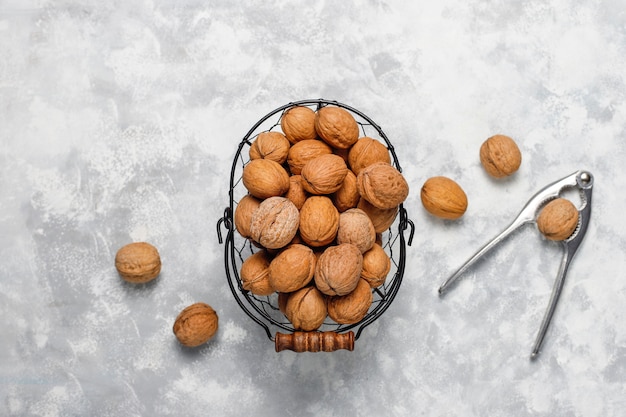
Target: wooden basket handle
[314,341]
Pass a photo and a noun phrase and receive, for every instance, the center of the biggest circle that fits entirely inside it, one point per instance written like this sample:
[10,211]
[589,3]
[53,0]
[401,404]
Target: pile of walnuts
[319,197]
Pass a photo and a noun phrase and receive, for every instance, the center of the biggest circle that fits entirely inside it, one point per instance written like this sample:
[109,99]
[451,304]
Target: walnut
[500,156]
[296,192]
[265,178]
[195,325]
[303,151]
[444,198]
[283,297]
[138,262]
[367,151]
[347,196]
[356,227]
[376,266]
[255,274]
[275,222]
[382,185]
[382,219]
[338,269]
[558,219]
[298,123]
[353,307]
[319,221]
[270,145]
[336,126]
[306,309]
[324,174]
[243,214]
[292,269]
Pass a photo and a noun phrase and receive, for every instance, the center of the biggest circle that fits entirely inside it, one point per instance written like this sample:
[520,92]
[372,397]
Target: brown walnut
[558,219]
[298,124]
[351,308]
[195,325]
[444,198]
[138,262]
[336,126]
[338,269]
[275,223]
[500,156]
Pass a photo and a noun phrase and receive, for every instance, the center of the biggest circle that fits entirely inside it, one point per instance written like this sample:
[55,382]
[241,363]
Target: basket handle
[314,341]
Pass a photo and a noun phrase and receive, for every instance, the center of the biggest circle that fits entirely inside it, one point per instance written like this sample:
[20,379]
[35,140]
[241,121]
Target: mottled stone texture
[119,121]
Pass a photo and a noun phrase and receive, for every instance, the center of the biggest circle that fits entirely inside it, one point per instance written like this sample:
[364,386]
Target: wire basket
[264,310]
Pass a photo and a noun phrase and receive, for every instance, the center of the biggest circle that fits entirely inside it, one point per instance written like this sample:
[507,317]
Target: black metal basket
[264,309]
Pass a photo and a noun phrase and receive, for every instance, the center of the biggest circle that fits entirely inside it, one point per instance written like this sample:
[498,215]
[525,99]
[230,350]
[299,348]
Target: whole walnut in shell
[356,227]
[265,178]
[292,269]
[444,198]
[324,174]
[347,196]
[336,126]
[319,221]
[275,223]
[303,151]
[296,192]
[255,272]
[270,145]
[298,124]
[306,309]
[558,219]
[365,152]
[382,219]
[382,185]
[196,324]
[376,266]
[500,156]
[353,307]
[243,214]
[138,262]
[338,269]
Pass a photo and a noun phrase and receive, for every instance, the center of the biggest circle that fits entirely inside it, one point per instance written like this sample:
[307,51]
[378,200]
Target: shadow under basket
[264,309]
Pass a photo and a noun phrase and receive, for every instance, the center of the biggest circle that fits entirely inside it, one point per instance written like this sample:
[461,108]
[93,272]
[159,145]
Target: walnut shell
[382,185]
[195,325]
[338,269]
[558,219]
[138,262]
[265,178]
[347,196]
[319,221]
[292,269]
[376,266]
[255,274]
[382,219]
[353,307]
[275,223]
[306,309]
[283,297]
[243,214]
[500,156]
[298,124]
[303,151]
[270,145]
[324,174]
[356,227]
[296,192]
[336,126]
[444,198]
[367,151]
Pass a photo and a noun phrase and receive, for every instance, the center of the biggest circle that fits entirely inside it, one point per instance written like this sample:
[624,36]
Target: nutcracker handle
[314,341]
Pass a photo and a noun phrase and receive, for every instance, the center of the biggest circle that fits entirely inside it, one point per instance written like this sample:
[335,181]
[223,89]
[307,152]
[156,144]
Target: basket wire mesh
[264,309]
